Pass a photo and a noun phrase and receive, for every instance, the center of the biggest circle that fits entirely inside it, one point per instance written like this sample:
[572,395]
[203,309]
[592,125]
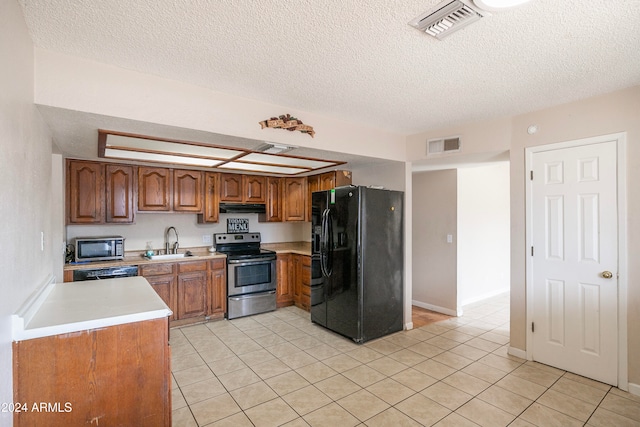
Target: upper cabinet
[230,187]
[187,191]
[85,192]
[120,195]
[211,202]
[99,193]
[274,206]
[243,188]
[255,189]
[154,188]
[295,197]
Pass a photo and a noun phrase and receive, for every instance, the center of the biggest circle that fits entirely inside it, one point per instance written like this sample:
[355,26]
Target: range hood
[242,208]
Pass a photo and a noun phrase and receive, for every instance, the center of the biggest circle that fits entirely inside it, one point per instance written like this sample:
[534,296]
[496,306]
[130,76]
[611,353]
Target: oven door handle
[241,262]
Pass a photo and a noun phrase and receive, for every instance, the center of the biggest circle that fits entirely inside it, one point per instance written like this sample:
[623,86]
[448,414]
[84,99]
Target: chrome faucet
[174,247]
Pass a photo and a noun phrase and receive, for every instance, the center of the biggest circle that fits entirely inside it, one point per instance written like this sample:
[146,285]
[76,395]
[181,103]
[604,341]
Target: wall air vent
[447,18]
[443,145]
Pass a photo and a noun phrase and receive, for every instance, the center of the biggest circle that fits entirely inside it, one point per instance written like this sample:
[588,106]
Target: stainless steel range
[251,274]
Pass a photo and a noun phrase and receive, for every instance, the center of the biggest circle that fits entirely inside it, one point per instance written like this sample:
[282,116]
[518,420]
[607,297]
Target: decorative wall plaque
[286,121]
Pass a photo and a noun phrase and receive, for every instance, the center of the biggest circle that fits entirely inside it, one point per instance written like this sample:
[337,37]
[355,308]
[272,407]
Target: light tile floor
[280,369]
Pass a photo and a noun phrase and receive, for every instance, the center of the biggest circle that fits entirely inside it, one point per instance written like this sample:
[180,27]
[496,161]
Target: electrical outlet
[42,241]
[206,239]
[449,238]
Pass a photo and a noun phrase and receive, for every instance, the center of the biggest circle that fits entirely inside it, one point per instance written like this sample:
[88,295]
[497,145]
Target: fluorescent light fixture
[160,158]
[141,148]
[154,145]
[498,5]
[285,160]
[282,170]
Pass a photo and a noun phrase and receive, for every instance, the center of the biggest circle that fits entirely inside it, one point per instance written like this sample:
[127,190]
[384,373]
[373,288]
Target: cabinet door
[274,201]
[327,180]
[295,196]
[187,191]
[296,270]
[120,194]
[154,187]
[230,187]
[211,208]
[255,189]
[85,190]
[218,288]
[313,184]
[284,291]
[304,278]
[192,294]
[165,286]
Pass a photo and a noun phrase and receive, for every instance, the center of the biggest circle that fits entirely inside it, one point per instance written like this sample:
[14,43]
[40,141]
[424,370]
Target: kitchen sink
[168,256]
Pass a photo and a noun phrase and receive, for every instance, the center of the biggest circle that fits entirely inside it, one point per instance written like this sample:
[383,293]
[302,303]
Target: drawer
[157,269]
[306,261]
[217,264]
[186,267]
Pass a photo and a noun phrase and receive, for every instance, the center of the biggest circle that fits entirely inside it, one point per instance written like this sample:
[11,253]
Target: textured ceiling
[358,60]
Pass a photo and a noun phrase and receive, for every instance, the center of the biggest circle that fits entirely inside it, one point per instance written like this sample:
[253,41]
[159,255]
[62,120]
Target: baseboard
[634,389]
[408,326]
[436,308]
[522,354]
[485,296]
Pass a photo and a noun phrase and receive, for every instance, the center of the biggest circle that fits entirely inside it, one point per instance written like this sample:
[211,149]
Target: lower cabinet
[294,280]
[193,290]
[217,288]
[113,376]
[284,287]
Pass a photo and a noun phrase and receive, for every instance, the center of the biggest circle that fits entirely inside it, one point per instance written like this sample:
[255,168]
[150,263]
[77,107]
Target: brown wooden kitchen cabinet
[211,202]
[99,193]
[162,278]
[239,188]
[274,206]
[187,191]
[217,285]
[154,189]
[230,187]
[114,376]
[192,289]
[85,192]
[284,286]
[120,194]
[325,181]
[295,199]
[255,189]
[301,270]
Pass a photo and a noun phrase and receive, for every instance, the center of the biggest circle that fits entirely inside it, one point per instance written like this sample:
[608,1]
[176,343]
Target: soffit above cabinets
[142,148]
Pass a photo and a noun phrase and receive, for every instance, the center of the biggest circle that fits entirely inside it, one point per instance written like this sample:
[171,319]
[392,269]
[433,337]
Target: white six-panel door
[575,260]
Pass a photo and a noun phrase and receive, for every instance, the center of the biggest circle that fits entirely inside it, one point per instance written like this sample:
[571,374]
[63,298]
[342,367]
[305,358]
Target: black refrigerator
[357,261]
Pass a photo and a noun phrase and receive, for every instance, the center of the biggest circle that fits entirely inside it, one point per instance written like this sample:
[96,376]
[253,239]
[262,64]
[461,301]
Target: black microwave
[99,248]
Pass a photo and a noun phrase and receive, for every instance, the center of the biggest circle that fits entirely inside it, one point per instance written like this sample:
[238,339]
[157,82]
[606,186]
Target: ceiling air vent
[443,145]
[447,17]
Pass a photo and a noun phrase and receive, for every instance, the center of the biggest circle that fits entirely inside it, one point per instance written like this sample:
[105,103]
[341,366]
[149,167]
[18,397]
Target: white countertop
[59,308]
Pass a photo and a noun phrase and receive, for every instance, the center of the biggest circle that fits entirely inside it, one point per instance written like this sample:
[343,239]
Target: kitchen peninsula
[93,352]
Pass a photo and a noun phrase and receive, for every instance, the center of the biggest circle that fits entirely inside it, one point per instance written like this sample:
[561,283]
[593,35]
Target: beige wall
[434,268]
[25,185]
[607,114]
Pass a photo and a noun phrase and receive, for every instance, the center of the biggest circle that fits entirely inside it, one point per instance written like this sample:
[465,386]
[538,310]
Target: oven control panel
[226,238]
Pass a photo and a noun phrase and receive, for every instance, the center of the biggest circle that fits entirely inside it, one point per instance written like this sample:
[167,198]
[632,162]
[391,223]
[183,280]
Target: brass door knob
[607,274]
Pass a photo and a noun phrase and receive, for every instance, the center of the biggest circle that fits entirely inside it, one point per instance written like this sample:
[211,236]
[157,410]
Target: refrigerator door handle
[323,243]
[329,263]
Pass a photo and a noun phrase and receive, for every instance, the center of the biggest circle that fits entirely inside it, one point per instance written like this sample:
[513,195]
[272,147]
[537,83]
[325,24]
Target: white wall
[483,232]
[25,187]
[152,226]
